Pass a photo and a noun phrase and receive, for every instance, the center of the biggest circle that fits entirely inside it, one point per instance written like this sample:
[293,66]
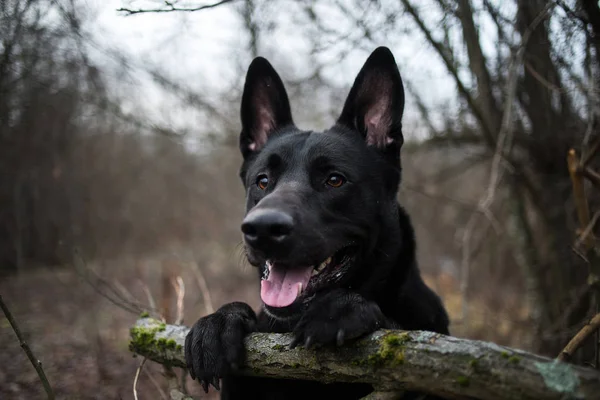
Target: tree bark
[478,65]
[559,271]
[393,361]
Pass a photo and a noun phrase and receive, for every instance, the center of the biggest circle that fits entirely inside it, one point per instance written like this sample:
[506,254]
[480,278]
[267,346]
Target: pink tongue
[281,288]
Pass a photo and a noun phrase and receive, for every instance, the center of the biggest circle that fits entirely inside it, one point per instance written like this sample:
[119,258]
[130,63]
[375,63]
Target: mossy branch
[393,361]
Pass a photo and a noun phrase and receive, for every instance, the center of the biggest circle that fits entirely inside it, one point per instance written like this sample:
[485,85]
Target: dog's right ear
[375,103]
[265,106]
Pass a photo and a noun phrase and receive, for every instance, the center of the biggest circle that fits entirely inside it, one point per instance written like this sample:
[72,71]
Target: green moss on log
[144,340]
[463,381]
[390,352]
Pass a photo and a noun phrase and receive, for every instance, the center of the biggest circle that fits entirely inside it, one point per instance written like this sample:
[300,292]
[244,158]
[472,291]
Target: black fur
[310,196]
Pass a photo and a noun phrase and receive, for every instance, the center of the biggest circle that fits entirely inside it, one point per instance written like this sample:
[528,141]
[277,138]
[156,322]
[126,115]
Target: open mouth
[282,285]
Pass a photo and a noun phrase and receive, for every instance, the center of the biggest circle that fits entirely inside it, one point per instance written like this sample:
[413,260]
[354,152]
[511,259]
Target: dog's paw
[338,316]
[215,344]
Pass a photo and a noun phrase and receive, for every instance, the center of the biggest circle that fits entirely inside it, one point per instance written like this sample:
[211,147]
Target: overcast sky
[206,52]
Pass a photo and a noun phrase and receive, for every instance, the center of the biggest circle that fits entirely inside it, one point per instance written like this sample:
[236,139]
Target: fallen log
[394,361]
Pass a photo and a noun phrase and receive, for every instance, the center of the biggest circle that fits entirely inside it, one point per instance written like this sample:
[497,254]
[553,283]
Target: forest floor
[82,338]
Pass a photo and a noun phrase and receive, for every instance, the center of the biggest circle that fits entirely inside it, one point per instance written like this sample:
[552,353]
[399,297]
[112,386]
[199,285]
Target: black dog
[334,250]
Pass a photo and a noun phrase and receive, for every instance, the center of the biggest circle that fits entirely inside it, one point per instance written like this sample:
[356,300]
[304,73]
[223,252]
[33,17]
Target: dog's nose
[267,227]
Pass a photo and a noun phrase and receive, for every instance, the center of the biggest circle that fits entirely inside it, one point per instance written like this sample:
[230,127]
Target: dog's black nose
[267,227]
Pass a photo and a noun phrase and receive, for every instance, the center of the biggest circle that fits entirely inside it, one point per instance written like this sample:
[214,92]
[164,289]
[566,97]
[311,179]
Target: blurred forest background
[109,205]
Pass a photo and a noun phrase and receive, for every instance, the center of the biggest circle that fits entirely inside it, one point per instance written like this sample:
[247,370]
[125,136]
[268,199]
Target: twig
[592,176]
[587,232]
[208,304]
[180,291]
[578,16]
[126,294]
[172,8]
[592,326]
[103,287]
[574,305]
[503,142]
[581,204]
[162,393]
[460,202]
[543,81]
[174,391]
[137,375]
[451,67]
[589,155]
[37,364]
[148,295]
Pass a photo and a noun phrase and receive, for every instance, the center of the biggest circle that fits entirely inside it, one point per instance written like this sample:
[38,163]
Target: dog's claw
[340,338]
[308,342]
[295,342]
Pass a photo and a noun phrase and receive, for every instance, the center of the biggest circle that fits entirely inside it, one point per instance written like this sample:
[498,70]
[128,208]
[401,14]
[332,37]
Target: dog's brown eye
[262,182]
[336,180]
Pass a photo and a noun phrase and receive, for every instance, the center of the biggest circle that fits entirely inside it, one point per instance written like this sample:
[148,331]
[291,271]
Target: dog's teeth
[324,264]
[319,268]
[300,288]
[269,265]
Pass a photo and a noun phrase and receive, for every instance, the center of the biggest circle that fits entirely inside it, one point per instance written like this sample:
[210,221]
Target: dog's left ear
[375,103]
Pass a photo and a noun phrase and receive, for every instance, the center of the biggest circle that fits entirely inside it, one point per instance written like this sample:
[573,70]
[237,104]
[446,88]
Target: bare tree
[555,108]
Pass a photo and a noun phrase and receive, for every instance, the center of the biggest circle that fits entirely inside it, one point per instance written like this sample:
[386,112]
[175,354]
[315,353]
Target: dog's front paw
[338,316]
[215,344]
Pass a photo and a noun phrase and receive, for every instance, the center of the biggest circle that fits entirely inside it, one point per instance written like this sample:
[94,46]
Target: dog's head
[317,202]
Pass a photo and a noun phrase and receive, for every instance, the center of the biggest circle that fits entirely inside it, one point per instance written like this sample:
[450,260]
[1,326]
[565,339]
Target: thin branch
[457,170]
[592,176]
[180,292]
[423,110]
[543,81]
[589,155]
[439,47]
[591,97]
[153,380]
[207,300]
[477,64]
[592,326]
[137,375]
[581,203]
[149,296]
[587,235]
[174,391]
[500,20]
[440,196]
[574,14]
[104,288]
[172,8]
[37,364]
[575,304]
[503,144]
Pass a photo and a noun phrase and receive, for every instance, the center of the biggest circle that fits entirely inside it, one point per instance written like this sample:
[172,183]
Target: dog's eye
[335,180]
[262,181]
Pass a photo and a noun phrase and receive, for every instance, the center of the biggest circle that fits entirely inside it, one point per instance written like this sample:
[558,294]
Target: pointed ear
[265,106]
[375,103]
